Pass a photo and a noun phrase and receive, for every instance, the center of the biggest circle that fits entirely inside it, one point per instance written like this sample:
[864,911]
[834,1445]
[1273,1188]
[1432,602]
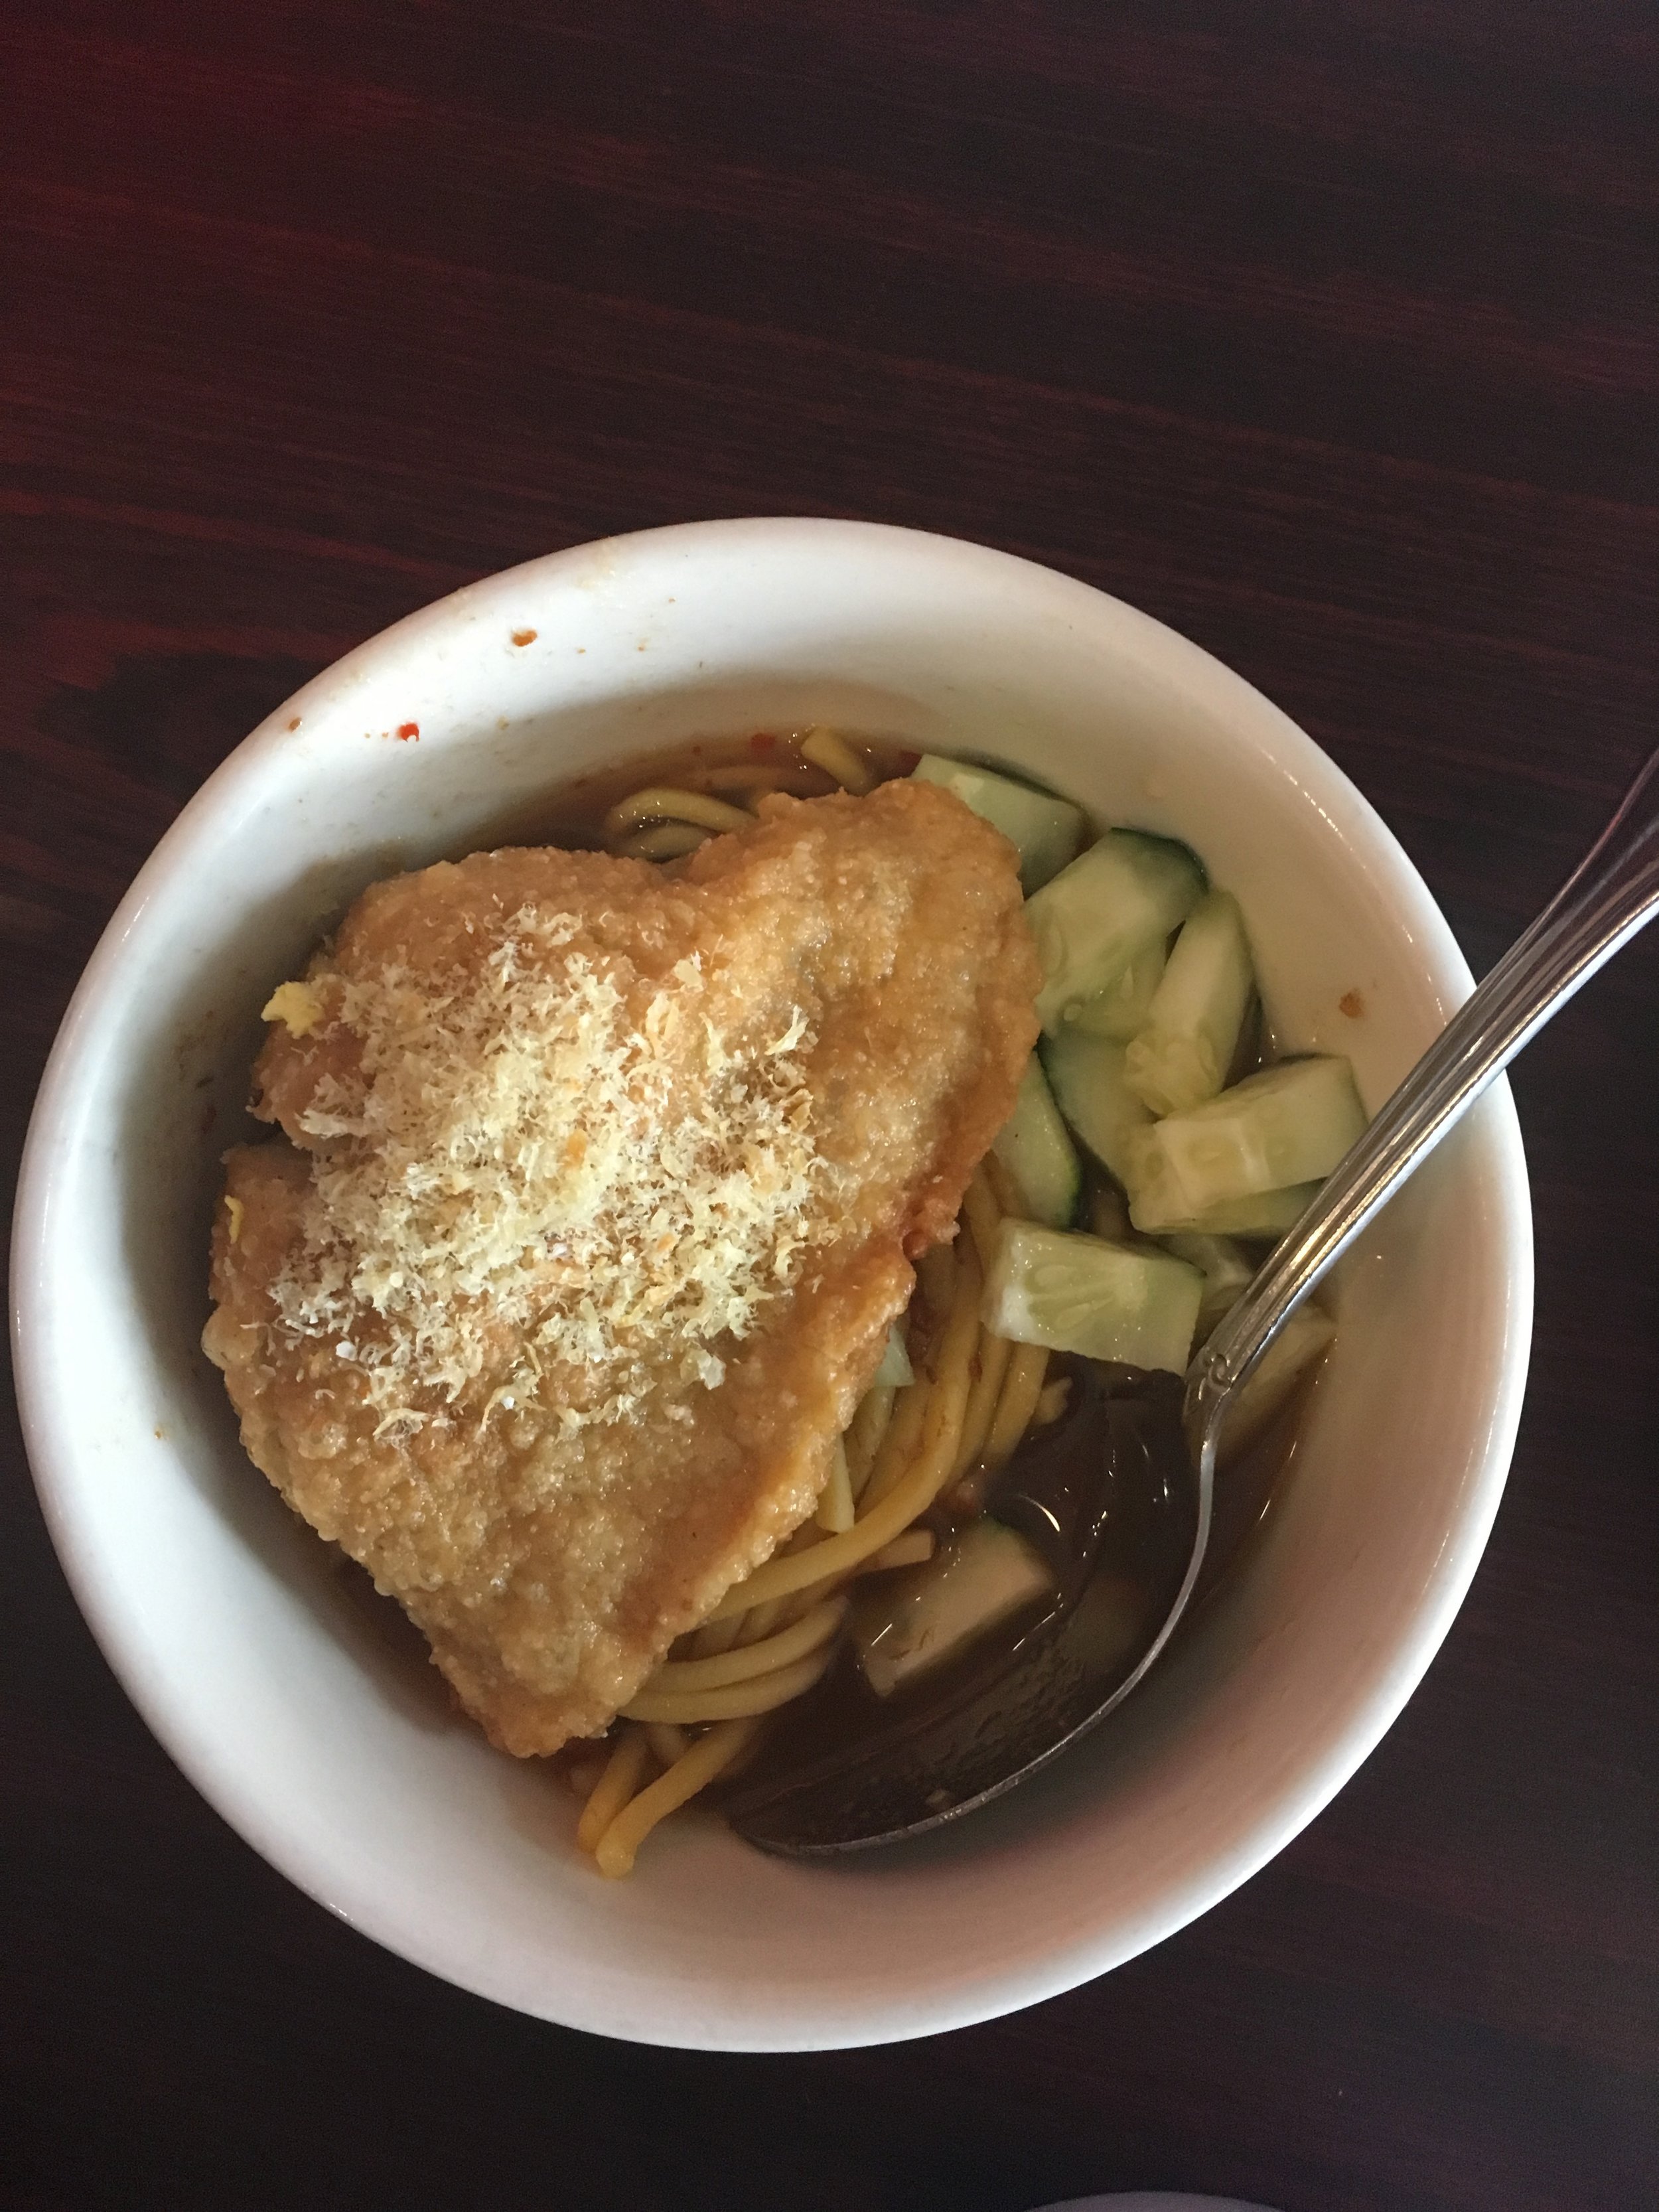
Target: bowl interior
[334,1752]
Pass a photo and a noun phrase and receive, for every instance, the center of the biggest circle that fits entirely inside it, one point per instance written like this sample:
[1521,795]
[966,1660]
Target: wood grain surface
[1327,331]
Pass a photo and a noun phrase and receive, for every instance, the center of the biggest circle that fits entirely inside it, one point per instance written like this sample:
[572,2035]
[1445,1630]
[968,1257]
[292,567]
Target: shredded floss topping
[518,1155]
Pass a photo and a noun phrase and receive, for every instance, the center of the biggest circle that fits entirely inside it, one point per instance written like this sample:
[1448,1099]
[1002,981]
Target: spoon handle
[1614,891]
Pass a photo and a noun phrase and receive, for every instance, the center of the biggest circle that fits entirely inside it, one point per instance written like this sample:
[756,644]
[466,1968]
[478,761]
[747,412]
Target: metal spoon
[857,1781]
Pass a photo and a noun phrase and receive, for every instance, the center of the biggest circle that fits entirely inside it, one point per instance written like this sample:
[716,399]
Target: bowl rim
[305,1861]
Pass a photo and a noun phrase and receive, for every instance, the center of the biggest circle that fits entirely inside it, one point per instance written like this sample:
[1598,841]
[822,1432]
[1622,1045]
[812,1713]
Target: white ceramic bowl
[340,1761]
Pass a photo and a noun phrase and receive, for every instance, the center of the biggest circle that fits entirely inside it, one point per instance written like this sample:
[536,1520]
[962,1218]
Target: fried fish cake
[597,1190]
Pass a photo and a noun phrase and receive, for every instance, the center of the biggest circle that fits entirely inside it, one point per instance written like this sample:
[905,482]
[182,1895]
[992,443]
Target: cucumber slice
[1113,903]
[1046,831]
[985,1574]
[1038,1151]
[1092,1091]
[1302,1340]
[1155,1211]
[1120,1010]
[1182,1055]
[1081,1294]
[1290,1124]
[1226,1268]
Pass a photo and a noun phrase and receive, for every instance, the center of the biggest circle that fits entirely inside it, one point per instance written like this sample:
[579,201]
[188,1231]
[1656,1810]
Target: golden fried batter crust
[551,1568]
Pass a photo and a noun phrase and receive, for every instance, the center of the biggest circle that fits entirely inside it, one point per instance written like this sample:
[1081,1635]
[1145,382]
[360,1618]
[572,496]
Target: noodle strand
[614,1787]
[1004,1189]
[913,1549]
[710,1755]
[816,1627]
[864,1436]
[898,1446]
[982,1399]
[984,1216]
[1027,1364]
[667,1742]
[830,750]
[668,840]
[749,782]
[835,1512]
[662,802]
[738,1701]
[716,1636]
[912,1494]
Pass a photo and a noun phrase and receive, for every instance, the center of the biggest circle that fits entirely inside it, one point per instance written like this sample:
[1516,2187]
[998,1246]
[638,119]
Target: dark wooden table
[1328,331]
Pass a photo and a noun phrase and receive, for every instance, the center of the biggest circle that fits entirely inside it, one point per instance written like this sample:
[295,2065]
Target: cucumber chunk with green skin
[1037,1149]
[912,1622]
[1082,1294]
[1046,831]
[1290,1124]
[1302,1340]
[1156,1211]
[1112,905]
[1120,1010]
[1181,1056]
[1225,1266]
[1090,1090]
